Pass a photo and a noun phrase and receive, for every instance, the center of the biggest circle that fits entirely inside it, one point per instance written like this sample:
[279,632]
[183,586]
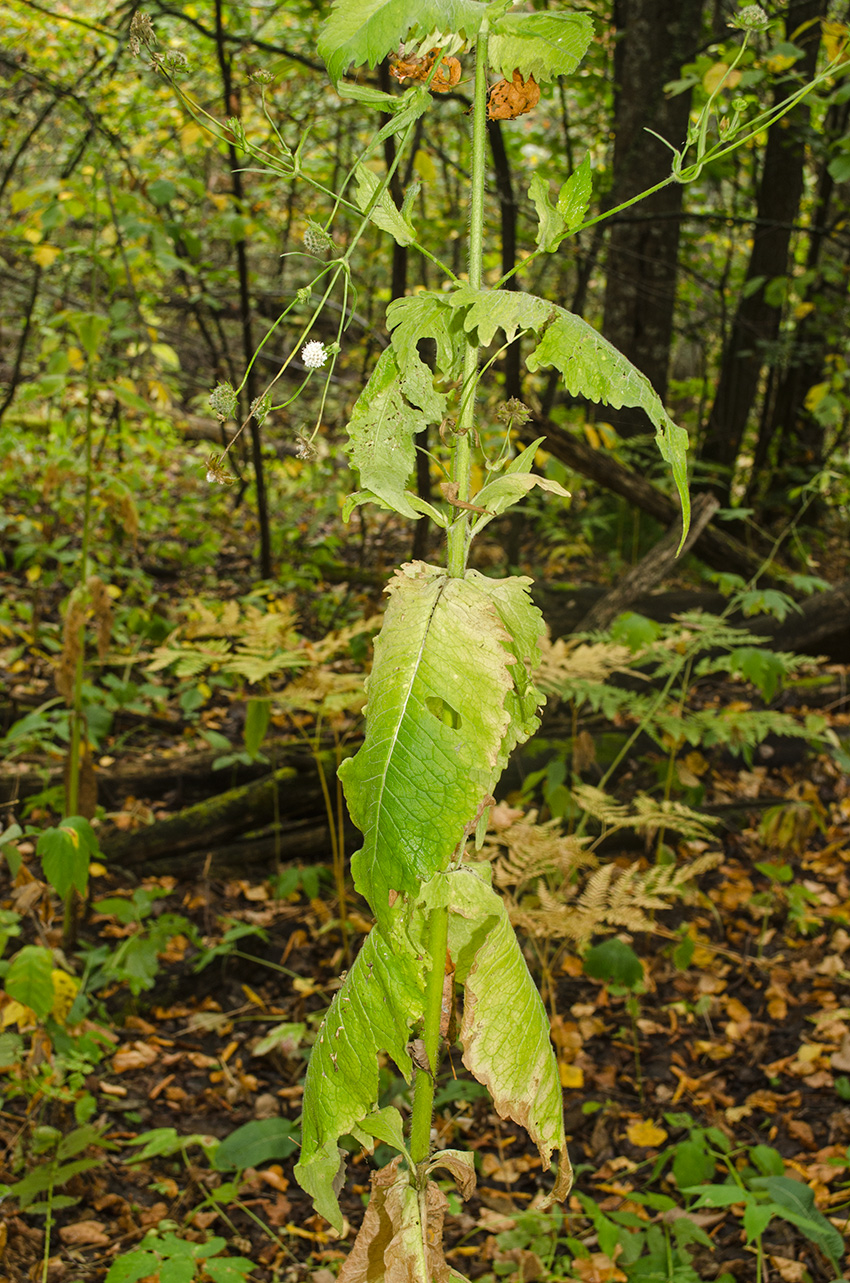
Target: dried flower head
[304,448]
[751,18]
[513,411]
[316,239]
[216,471]
[141,33]
[314,354]
[261,76]
[223,401]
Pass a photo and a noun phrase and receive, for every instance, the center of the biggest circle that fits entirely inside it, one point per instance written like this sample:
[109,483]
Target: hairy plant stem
[423,1095]
[458,545]
[458,537]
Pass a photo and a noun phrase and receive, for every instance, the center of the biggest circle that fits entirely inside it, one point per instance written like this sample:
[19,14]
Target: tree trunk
[756,325]
[655,37]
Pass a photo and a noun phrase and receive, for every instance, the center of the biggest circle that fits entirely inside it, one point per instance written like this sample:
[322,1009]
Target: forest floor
[744,1044]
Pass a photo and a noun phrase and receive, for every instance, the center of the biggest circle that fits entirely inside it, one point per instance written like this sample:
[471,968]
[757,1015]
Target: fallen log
[716,548]
[651,569]
[291,792]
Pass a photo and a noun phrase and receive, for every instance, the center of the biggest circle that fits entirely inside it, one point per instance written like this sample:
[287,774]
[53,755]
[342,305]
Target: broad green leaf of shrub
[30,979]
[260,1141]
[614,961]
[505,1029]
[66,852]
[365,31]
[591,366]
[437,720]
[390,410]
[373,1012]
[795,1202]
[543,45]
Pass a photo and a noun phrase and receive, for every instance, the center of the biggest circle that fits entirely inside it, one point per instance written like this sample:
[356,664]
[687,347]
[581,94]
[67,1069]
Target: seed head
[316,240]
[223,401]
[141,33]
[751,18]
[314,355]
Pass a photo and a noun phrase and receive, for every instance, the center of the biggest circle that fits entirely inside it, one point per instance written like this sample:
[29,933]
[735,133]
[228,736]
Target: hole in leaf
[443,712]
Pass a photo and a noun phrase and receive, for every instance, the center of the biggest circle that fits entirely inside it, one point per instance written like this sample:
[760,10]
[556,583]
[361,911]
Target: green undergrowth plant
[453,687]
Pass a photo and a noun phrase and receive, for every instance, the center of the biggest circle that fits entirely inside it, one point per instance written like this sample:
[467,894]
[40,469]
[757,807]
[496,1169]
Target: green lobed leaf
[383,213]
[551,224]
[365,31]
[505,1031]
[439,722]
[372,1013]
[390,410]
[423,316]
[574,196]
[557,221]
[591,366]
[543,45]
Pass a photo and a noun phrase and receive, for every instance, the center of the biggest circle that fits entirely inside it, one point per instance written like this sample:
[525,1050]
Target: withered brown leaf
[507,101]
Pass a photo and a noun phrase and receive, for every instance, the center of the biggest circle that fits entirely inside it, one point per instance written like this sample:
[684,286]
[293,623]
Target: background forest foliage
[154,587]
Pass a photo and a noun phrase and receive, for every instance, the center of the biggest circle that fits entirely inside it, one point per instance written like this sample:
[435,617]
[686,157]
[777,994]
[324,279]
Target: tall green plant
[452,688]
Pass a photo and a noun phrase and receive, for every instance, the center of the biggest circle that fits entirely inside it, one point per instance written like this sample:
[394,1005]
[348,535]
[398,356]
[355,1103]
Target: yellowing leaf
[815,395]
[33,235]
[780,62]
[834,39]
[33,574]
[803,309]
[65,989]
[717,75]
[571,1075]
[15,1013]
[97,870]
[645,1133]
[166,355]
[45,255]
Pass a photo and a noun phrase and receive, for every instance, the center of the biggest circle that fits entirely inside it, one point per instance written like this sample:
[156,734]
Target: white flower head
[314,355]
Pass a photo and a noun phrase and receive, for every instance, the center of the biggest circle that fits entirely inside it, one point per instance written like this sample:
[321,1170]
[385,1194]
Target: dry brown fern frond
[611,899]
[651,814]
[565,661]
[526,850]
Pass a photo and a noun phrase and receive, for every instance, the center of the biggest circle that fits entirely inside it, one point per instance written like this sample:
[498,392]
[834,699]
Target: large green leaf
[390,410]
[591,366]
[424,316]
[372,1013]
[65,854]
[30,979]
[543,45]
[438,717]
[365,31]
[505,1029]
